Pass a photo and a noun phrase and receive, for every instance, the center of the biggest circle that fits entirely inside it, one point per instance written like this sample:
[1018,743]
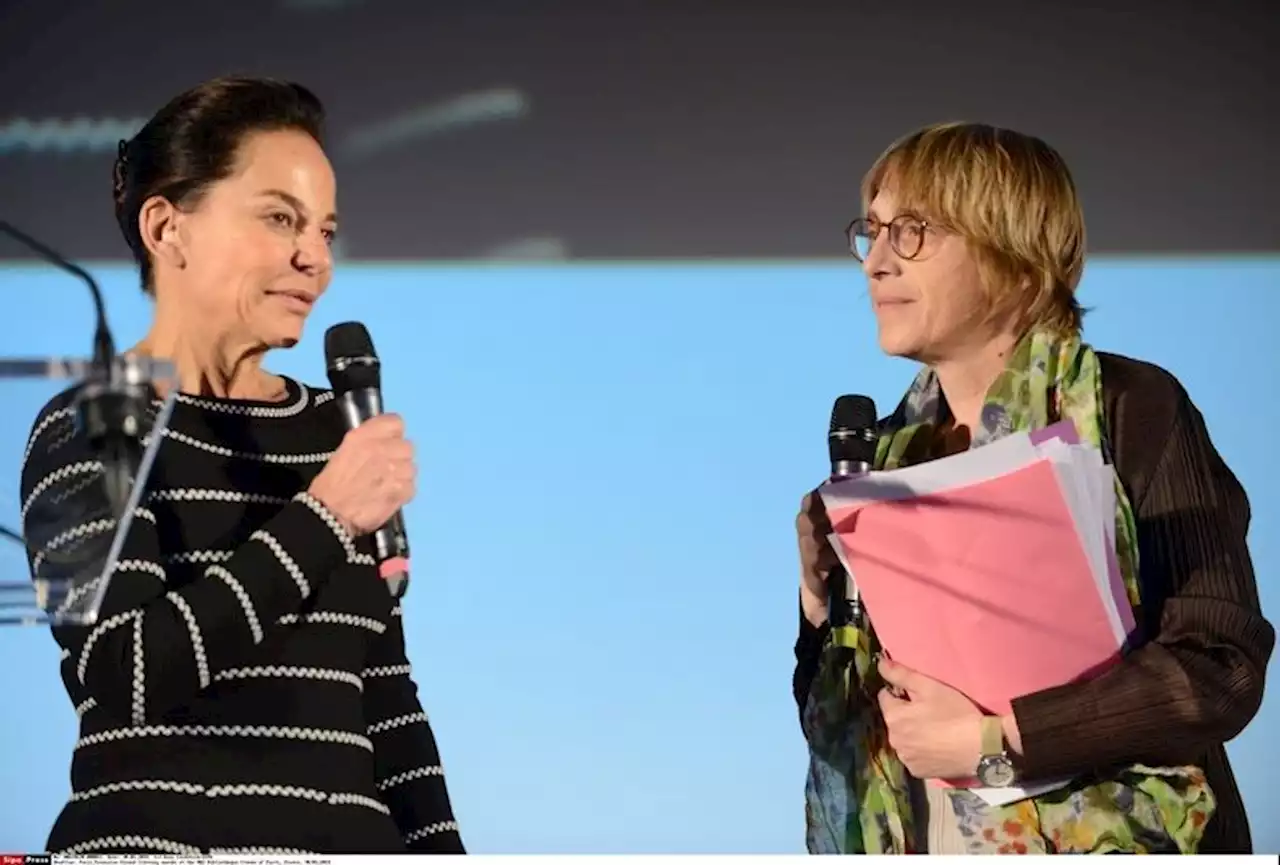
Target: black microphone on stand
[112,412]
[104,349]
[112,406]
[356,376]
[851,443]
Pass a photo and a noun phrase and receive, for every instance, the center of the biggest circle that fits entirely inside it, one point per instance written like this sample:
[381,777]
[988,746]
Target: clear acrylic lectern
[73,524]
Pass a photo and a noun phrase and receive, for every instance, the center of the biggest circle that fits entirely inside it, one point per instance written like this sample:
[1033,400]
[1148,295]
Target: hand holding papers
[992,571]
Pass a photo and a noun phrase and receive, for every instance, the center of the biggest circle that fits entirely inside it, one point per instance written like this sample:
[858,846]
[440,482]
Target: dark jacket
[1197,678]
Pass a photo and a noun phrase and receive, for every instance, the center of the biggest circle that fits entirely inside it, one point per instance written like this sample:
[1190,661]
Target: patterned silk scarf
[856,795]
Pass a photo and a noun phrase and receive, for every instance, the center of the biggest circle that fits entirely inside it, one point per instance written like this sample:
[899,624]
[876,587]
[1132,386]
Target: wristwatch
[995,768]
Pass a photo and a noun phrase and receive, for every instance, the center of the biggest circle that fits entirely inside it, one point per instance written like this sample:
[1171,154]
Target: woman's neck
[966,380]
[210,364]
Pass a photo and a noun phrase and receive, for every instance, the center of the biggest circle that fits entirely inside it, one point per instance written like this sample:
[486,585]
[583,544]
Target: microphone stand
[104,347]
[112,410]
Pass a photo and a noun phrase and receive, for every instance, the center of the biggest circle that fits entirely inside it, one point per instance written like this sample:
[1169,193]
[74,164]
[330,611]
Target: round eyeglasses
[906,235]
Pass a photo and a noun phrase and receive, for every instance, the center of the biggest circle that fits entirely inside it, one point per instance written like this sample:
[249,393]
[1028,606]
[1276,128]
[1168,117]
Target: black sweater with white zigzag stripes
[245,688]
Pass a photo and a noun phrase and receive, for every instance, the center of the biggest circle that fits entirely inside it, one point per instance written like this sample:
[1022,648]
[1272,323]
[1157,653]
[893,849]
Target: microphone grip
[842,609]
[391,545]
[391,542]
[839,612]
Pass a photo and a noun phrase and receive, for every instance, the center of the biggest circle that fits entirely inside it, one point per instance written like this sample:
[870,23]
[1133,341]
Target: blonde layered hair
[1011,196]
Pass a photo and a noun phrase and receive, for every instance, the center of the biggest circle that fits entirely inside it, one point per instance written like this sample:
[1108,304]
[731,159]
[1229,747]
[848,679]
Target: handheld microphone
[851,443]
[356,376]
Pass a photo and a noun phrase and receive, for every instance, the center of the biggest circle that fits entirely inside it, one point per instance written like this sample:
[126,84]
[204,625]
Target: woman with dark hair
[245,687]
[972,239]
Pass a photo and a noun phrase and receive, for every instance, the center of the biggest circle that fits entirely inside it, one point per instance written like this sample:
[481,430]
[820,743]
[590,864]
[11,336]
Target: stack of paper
[992,571]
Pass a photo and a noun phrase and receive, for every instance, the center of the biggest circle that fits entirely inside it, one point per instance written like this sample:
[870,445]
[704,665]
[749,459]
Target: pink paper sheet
[984,587]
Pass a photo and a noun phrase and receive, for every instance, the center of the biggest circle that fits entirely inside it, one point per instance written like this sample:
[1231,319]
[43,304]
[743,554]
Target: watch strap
[992,736]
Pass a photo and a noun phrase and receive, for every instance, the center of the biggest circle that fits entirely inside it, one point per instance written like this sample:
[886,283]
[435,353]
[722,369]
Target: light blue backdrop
[605,589]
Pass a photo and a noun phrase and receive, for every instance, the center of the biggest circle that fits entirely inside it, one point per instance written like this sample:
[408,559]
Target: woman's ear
[158,224]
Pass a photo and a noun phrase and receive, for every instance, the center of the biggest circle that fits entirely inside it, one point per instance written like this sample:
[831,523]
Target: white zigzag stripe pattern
[84,531]
[286,561]
[260,411]
[122,565]
[58,476]
[114,622]
[331,618]
[139,676]
[141,565]
[246,603]
[201,557]
[411,775]
[279,459]
[399,721]
[74,596]
[305,734]
[432,829]
[132,841]
[130,786]
[47,421]
[329,520]
[358,799]
[282,672]
[229,790]
[198,557]
[191,494]
[193,632]
[396,670]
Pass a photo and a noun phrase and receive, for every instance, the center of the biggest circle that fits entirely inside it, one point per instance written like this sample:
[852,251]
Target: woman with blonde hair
[973,244]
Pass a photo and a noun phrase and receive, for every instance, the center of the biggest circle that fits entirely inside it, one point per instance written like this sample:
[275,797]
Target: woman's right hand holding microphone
[817,559]
[370,476]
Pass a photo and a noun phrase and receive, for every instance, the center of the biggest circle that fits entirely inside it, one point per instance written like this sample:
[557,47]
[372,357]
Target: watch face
[996,771]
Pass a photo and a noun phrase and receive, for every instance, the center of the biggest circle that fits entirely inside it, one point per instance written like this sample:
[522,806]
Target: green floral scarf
[857,796]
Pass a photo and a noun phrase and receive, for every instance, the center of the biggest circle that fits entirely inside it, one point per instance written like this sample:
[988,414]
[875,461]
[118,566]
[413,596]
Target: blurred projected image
[618,133]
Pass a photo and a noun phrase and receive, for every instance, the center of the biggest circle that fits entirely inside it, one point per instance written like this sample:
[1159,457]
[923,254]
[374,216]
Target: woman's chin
[896,342]
[282,334]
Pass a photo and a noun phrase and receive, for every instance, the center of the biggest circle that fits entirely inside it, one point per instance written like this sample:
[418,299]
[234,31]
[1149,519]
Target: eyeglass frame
[895,227]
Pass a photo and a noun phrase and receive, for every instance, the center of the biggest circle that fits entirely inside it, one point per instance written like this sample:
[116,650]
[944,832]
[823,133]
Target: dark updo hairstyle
[193,142]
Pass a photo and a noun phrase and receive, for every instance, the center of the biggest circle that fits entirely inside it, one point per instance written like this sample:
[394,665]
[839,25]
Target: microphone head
[853,433]
[350,357]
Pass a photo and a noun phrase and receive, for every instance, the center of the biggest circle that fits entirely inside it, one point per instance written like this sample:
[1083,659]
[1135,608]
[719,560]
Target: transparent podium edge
[126,371]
